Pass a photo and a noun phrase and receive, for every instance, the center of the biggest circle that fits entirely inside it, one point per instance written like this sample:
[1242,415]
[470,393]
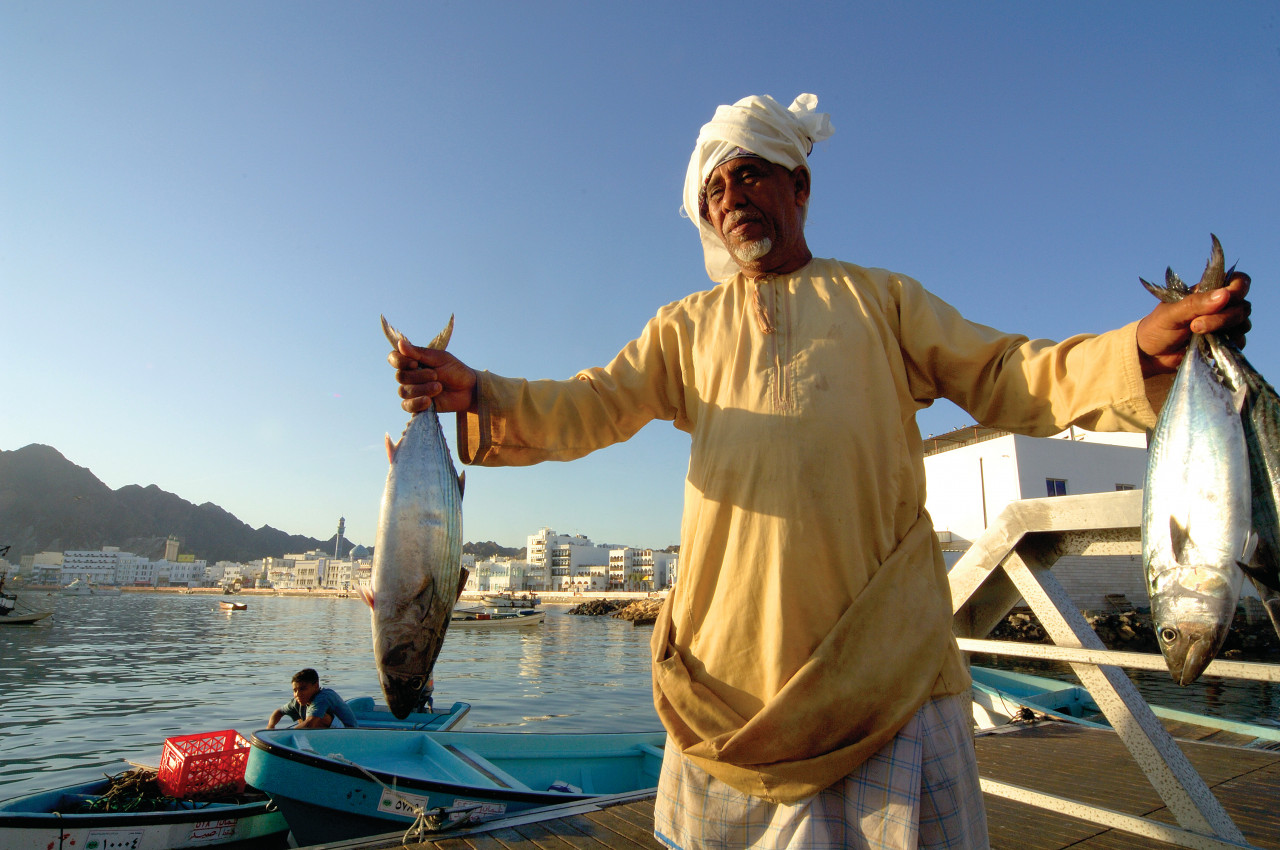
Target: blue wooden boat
[336,785]
[1000,695]
[374,715]
[48,819]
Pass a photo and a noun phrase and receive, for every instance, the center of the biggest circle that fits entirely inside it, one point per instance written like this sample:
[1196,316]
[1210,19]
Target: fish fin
[1239,397]
[1250,547]
[441,342]
[391,449]
[1159,291]
[462,582]
[424,598]
[1214,276]
[1270,603]
[366,594]
[1179,538]
[462,483]
[393,336]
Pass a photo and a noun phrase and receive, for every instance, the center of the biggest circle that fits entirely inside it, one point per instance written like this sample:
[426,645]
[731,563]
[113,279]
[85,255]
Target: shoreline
[467,596]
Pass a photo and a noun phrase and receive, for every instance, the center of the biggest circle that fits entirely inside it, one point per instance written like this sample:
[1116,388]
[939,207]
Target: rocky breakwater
[642,612]
[1252,637]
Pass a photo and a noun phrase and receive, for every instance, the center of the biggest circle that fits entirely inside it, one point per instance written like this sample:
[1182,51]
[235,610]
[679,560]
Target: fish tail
[440,343]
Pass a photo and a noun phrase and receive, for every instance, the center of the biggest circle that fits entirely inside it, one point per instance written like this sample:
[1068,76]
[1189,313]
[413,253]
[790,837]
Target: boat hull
[336,785]
[497,621]
[998,695]
[24,619]
[30,822]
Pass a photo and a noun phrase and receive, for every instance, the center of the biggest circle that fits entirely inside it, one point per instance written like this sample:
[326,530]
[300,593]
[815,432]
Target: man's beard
[749,252]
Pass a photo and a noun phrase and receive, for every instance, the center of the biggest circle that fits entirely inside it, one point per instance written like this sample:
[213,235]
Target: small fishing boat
[9,604]
[337,785]
[54,819]
[373,715]
[233,606]
[483,618]
[85,587]
[507,599]
[24,619]
[1001,696]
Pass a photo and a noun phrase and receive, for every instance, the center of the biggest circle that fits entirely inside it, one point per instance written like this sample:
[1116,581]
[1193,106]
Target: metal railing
[1013,560]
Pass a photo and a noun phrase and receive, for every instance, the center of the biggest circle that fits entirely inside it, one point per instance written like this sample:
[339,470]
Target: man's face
[757,208]
[305,692]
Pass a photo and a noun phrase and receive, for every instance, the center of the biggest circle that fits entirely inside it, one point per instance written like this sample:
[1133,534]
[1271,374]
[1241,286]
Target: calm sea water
[108,679]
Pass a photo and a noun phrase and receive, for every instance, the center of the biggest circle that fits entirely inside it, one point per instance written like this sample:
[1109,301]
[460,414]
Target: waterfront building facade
[553,560]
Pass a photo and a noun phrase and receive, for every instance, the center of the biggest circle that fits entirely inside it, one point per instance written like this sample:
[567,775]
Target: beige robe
[812,615]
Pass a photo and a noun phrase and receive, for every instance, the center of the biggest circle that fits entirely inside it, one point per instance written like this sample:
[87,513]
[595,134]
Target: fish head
[1189,647]
[404,668]
[1192,612]
[404,694]
[406,641]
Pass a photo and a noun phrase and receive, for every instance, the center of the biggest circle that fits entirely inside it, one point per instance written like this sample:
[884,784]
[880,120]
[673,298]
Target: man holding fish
[804,665]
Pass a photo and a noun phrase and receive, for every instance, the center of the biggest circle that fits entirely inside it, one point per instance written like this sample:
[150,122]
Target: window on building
[1056,486]
[1126,487]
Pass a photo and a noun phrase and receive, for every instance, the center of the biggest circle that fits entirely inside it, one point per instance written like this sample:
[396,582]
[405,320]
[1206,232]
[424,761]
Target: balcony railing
[1013,560]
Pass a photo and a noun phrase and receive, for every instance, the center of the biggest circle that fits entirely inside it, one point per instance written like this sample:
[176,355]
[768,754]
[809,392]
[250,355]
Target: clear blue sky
[204,207]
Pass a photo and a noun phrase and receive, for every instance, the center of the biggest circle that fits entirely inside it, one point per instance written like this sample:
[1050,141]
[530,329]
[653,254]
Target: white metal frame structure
[1013,560]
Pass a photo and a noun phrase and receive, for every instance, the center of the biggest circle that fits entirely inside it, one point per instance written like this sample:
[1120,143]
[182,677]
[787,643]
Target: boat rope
[425,820]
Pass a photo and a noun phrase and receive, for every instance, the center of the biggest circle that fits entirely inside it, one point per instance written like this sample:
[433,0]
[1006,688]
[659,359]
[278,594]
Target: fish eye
[1168,634]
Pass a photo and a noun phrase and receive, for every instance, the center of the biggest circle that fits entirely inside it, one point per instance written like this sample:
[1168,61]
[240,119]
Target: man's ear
[800,179]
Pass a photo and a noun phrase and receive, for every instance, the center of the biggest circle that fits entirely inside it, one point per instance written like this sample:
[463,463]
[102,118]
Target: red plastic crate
[210,764]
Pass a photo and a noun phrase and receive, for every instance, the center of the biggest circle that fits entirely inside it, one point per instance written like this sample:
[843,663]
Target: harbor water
[107,679]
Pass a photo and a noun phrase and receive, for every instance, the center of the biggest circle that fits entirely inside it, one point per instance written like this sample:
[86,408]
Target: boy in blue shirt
[312,706]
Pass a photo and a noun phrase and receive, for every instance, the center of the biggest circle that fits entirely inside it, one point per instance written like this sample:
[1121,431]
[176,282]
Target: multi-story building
[41,568]
[554,559]
[135,571]
[308,569]
[639,569]
[186,571]
[279,571]
[497,575]
[96,567]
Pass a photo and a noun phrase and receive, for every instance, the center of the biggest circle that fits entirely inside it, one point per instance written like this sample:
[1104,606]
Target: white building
[640,569]
[554,559]
[308,569]
[973,473]
[94,566]
[186,571]
[135,571]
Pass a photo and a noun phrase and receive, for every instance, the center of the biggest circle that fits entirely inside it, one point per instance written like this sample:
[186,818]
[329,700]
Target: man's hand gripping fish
[1197,525]
[417,569]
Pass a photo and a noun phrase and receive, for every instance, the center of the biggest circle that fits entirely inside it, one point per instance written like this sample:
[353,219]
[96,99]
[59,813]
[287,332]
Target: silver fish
[417,562]
[1261,420]
[1197,526]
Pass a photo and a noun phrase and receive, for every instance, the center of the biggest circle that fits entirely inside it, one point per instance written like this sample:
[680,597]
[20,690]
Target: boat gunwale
[13,818]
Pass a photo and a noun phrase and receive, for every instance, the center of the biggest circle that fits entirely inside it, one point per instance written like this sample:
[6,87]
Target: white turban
[760,125]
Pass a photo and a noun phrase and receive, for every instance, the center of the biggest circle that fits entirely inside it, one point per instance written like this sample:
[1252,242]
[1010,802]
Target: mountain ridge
[48,503]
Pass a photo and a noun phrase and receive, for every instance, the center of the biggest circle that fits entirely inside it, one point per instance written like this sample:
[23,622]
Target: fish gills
[417,562]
